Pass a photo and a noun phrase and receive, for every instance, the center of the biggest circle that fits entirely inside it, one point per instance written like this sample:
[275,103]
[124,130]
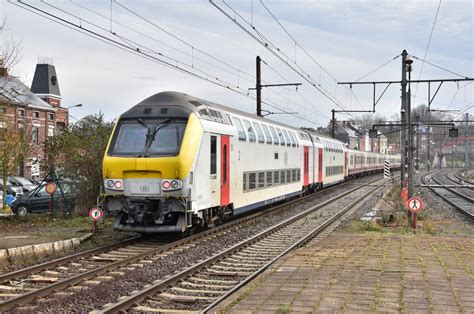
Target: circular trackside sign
[95,214]
[415,204]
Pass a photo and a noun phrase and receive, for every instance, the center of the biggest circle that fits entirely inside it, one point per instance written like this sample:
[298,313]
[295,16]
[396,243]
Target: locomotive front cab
[147,169]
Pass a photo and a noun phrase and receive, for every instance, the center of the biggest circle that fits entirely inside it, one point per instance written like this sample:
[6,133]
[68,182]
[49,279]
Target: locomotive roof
[180,105]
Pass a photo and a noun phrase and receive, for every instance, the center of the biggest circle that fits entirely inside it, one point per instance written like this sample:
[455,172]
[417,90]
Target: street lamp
[78,105]
[69,115]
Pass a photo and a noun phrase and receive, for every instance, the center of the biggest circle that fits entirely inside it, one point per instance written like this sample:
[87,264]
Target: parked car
[37,201]
[25,184]
[13,189]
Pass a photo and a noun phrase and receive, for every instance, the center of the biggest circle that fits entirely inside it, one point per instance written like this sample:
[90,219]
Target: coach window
[280,137]
[293,175]
[292,138]
[257,128]
[261,179]
[288,176]
[252,180]
[240,129]
[282,176]
[287,138]
[276,177]
[250,131]
[267,134]
[269,178]
[274,135]
[213,156]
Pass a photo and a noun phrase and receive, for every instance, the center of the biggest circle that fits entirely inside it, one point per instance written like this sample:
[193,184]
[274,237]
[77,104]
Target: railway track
[460,201]
[65,276]
[207,282]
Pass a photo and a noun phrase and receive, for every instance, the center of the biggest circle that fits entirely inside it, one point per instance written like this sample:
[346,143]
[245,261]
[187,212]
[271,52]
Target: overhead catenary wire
[82,29]
[260,38]
[428,44]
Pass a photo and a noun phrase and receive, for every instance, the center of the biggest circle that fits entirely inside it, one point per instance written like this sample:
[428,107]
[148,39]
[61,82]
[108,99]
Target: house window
[36,114]
[21,124]
[21,112]
[3,110]
[50,116]
[50,130]
[35,135]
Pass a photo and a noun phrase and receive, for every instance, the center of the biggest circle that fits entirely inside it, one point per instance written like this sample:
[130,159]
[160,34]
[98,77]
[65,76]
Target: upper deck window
[148,138]
[287,138]
[280,136]
[260,137]
[250,131]
[267,134]
[274,135]
[240,129]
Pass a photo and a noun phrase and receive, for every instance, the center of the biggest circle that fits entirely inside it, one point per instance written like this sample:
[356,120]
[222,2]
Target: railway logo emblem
[144,188]
[415,204]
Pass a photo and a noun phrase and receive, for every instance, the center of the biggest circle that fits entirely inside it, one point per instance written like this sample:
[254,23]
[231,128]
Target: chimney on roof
[3,71]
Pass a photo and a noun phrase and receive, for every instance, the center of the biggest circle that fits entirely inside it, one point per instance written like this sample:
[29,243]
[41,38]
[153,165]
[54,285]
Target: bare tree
[15,137]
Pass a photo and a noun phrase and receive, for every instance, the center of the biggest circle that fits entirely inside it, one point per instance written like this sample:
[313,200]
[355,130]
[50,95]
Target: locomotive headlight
[171,185]
[114,184]
[118,185]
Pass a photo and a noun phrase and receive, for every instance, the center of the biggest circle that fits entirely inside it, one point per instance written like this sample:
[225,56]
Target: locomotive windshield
[148,138]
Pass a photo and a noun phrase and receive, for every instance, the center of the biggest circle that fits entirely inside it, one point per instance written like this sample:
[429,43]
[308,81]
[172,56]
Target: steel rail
[466,213]
[135,298]
[296,245]
[457,175]
[64,260]
[453,190]
[67,282]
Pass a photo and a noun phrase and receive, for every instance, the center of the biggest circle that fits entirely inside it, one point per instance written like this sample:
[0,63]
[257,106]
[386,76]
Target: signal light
[118,185]
[174,184]
[110,183]
[166,185]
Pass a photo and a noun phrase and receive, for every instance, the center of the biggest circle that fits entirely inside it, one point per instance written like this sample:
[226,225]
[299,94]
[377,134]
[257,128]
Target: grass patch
[283,309]
[59,220]
[364,226]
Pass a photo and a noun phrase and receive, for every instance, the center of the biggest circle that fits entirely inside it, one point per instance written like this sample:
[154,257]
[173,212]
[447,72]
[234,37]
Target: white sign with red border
[95,214]
[415,204]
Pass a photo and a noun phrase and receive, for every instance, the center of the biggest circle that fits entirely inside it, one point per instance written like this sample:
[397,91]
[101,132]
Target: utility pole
[429,142]
[417,143]
[411,146]
[258,86]
[441,149]
[466,153]
[403,119]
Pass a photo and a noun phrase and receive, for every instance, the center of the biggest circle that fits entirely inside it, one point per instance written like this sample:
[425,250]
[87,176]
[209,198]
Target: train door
[225,167]
[306,166]
[346,164]
[320,165]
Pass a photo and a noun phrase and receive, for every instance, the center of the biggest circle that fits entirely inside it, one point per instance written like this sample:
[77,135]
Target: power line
[428,45]
[141,53]
[378,68]
[439,67]
[278,53]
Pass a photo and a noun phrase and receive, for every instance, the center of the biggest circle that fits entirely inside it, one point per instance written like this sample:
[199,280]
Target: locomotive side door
[225,170]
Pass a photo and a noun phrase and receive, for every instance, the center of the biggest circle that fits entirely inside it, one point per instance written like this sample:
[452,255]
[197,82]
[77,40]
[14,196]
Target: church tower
[45,84]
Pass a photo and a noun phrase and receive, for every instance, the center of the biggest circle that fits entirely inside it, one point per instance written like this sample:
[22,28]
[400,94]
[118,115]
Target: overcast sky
[344,40]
